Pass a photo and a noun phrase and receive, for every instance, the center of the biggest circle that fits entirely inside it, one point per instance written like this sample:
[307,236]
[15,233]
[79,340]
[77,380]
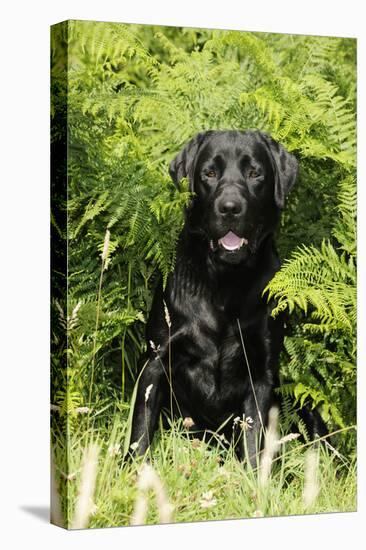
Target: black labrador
[213,345]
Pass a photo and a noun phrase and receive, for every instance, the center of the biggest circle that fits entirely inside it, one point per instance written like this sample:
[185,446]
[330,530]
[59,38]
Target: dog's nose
[229,206]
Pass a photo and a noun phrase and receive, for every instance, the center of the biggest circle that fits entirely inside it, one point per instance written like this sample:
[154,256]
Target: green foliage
[136,94]
[201,482]
[322,283]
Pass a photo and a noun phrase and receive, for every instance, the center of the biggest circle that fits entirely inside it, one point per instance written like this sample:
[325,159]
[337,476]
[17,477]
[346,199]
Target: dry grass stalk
[56,511]
[288,437]
[167,315]
[169,323]
[72,320]
[106,246]
[84,501]
[149,479]
[104,256]
[250,375]
[311,487]
[271,446]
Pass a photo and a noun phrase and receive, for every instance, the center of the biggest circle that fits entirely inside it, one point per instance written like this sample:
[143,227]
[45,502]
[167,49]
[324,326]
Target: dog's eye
[211,174]
[252,174]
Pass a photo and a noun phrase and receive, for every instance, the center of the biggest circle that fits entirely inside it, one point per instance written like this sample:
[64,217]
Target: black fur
[240,181]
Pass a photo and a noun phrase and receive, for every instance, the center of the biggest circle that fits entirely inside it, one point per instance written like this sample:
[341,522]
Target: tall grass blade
[84,502]
[149,479]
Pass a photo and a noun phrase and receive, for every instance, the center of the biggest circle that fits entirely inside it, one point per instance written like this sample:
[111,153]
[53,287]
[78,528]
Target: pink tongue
[230,240]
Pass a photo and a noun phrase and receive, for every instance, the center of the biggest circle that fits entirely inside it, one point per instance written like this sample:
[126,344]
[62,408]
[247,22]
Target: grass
[186,480]
[200,482]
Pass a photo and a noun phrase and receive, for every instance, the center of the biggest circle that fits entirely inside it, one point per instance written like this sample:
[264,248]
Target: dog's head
[240,181]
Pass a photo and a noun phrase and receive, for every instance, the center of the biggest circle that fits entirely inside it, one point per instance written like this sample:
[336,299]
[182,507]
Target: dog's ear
[182,166]
[285,168]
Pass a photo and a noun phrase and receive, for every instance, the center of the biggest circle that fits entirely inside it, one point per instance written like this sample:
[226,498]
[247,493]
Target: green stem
[95,340]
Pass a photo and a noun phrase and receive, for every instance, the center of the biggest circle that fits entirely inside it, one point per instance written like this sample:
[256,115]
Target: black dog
[213,345]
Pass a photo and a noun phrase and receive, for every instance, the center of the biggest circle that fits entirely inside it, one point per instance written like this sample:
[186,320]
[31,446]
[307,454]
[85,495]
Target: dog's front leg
[149,399]
[253,422]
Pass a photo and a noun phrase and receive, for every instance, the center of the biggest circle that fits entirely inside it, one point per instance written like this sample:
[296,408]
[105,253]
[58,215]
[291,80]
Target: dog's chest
[208,354]
[212,368]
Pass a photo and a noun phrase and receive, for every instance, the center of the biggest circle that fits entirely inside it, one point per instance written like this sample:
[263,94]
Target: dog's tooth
[211,244]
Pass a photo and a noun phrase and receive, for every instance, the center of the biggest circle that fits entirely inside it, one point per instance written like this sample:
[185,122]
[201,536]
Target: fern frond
[317,278]
[136,95]
[337,116]
[319,51]
[345,228]
[251,46]
[92,210]
[103,42]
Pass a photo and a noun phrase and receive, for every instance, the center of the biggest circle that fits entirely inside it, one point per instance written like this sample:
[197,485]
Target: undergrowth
[125,99]
[202,481]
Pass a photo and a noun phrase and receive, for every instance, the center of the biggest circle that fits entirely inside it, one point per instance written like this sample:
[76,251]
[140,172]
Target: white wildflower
[208,500]
[245,422]
[113,450]
[155,348]
[188,422]
[82,410]
[223,472]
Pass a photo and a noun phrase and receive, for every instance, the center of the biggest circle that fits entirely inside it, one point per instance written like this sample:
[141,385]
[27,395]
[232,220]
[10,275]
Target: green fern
[322,283]
[136,95]
[323,279]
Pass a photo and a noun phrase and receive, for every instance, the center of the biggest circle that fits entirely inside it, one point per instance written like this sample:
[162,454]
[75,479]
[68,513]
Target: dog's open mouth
[231,242]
